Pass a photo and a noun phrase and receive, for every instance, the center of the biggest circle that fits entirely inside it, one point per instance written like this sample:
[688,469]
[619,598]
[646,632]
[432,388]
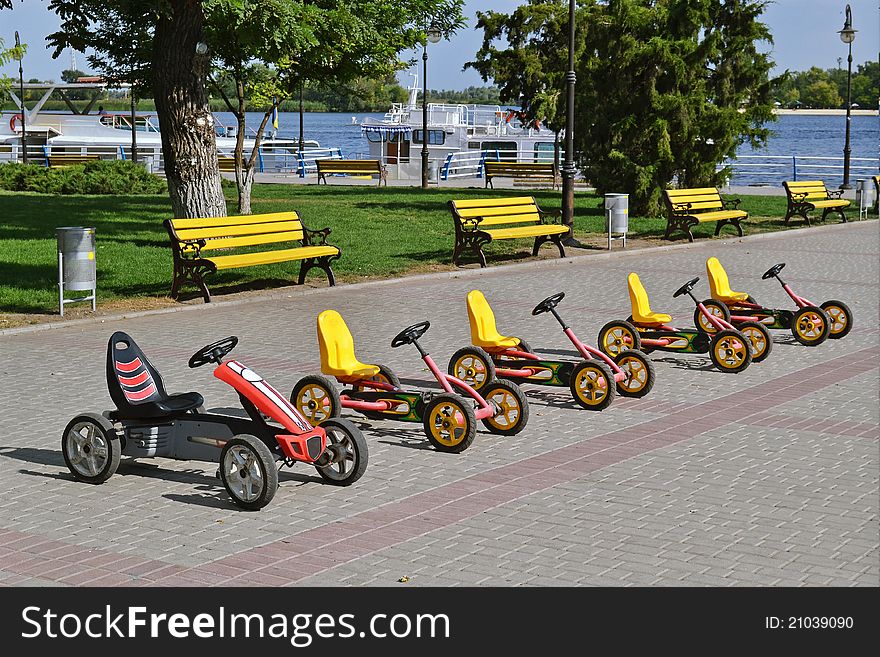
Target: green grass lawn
[382,232]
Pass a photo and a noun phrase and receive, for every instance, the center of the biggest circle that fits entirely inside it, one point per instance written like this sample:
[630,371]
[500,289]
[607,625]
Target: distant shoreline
[825,112]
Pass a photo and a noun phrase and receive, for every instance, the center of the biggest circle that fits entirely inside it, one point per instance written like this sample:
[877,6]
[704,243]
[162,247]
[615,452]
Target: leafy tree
[821,93]
[667,90]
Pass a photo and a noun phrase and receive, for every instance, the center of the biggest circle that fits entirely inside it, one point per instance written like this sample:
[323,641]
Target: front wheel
[91,448]
[511,408]
[810,326]
[317,398]
[730,351]
[841,318]
[592,385]
[759,339]
[716,309]
[618,336]
[349,452]
[472,365]
[248,472]
[639,372]
[450,423]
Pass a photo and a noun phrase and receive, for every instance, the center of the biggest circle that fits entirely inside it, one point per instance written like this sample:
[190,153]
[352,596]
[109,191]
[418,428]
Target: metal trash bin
[864,196]
[616,217]
[433,171]
[77,270]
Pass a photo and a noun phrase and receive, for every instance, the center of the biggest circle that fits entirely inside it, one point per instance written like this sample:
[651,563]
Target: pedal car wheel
[841,318]
[91,448]
[248,472]
[716,309]
[618,336]
[450,423]
[730,351]
[592,385]
[512,408]
[473,366]
[524,346]
[639,372]
[810,326]
[759,339]
[350,452]
[317,398]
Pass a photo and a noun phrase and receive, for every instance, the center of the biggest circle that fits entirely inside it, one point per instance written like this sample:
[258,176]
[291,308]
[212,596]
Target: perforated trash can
[76,265]
[864,196]
[617,217]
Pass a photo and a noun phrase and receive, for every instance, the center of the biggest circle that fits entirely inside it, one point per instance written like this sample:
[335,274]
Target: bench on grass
[352,168]
[538,172]
[194,243]
[808,195]
[226,163]
[478,222]
[688,207]
[69,159]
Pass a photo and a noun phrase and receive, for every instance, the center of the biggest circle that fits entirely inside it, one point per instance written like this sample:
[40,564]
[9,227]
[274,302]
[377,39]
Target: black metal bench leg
[557,240]
[538,242]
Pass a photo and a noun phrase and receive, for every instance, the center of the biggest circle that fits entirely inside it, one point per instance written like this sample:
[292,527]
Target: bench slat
[252,240]
[698,205]
[493,203]
[270,257]
[238,231]
[527,231]
[673,193]
[214,222]
[499,210]
[531,217]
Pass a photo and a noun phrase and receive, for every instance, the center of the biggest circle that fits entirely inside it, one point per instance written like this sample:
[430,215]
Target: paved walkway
[769,477]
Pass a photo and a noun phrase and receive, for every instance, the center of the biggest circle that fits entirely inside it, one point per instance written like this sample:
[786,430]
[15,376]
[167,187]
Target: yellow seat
[337,349]
[641,309]
[483,330]
[719,285]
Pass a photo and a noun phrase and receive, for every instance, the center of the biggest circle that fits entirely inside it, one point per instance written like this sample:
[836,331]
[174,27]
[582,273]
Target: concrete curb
[293,292]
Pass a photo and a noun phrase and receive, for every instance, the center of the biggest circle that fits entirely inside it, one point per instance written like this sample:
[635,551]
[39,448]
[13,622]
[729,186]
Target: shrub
[97,177]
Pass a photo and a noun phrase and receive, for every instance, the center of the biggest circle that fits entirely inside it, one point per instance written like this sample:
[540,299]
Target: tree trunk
[188,138]
[245,185]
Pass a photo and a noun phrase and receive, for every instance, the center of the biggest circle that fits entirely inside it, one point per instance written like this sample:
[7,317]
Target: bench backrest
[814,189]
[72,158]
[515,210]
[698,198]
[230,232]
[225,163]
[499,168]
[348,166]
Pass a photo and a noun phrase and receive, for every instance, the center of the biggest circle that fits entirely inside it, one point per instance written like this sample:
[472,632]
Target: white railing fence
[774,169]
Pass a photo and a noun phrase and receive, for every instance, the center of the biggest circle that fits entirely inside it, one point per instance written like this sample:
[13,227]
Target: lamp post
[568,167]
[433,35]
[24,159]
[847,35]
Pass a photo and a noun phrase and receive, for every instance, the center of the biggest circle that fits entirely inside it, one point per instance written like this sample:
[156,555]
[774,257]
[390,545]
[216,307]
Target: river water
[793,135]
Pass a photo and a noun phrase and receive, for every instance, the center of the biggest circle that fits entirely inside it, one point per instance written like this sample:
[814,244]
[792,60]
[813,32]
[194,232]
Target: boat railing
[774,169]
[470,164]
[305,159]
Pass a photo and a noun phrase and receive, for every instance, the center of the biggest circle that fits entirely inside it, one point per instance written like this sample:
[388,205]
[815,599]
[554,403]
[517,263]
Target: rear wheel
[91,448]
[472,365]
[841,318]
[639,372]
[512,408]
[450,423]
[716,309]
[592,385]
[810,326]
[317,398]
[248,472]
[759,339]
[349,451]
[618,336]
[730,351]
[524,346]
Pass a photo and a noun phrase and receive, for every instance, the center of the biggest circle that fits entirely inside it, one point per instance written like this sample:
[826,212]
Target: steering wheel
[548,304]
[687,287]
[410,334]
[773,271]
[214,352]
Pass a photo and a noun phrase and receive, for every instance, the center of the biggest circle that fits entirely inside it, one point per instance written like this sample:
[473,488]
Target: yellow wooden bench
[352,168]
[226,163]
[688,207]
[478,222]
[807,195]
[533,172]
[194,241]
[69,159]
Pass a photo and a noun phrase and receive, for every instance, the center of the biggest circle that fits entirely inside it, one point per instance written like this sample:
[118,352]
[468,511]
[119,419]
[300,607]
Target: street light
[847,35]
[433,35]
[568,167]
[21,93]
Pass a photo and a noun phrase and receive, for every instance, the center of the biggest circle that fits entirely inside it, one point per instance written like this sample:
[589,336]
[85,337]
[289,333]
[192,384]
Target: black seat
[136,386]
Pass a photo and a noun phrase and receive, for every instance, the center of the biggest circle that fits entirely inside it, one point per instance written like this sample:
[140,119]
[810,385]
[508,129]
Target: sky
[804,31]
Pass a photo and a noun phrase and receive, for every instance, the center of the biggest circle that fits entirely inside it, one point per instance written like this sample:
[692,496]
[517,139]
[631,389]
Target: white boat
[460,138]
[110,134]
